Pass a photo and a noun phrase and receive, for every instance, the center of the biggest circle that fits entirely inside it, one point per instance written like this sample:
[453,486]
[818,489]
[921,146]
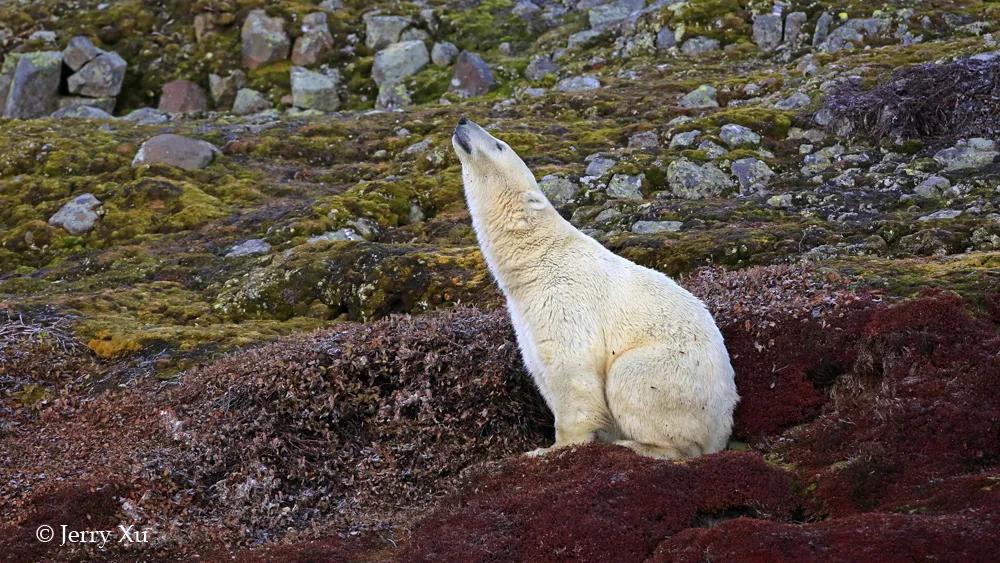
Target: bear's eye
[499,147]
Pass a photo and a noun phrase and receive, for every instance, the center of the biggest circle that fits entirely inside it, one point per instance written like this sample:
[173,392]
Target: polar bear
[620,353]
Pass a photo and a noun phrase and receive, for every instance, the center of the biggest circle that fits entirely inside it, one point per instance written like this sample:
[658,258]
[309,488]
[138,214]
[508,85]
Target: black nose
[463,121]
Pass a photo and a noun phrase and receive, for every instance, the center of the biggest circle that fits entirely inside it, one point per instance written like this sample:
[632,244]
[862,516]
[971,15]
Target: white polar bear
[620,352]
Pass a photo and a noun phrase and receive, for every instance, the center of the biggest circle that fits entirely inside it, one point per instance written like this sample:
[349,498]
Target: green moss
[156,205]
[766,121]
[429,84]
[487,24]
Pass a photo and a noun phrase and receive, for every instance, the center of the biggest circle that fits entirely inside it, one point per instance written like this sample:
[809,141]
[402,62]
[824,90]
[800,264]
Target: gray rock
[331,5]
[581,38]
[793,27]
[822,30]
[249,248]
[652,227]
[472,76]
[393,96]
[146,116]
[968,154]
[250,101]
[701,97]
[443,53]
[263,40]
[82,112]
[821,159]
[691,181]
[665,38]
[315,41]
[752,174]
[781,201]
[609,214]
[182,96]
[625,186]
[854,33]
[558,189]
[102,76]
[699,45]
[399,60]
[382,31]
[106,105]
[685,139]
[175,150]
[929,242]
[78,216]
[767,31]
[313,90]
[78,52]
[613,13]
[712,150]
[644,140]
[600,165]
[540,67]
[43,35]
[224,90]
[933,187]
[795,101]
[580,83]
[738,136]
[34,86]
[414,34]
[942,215]
[344,234]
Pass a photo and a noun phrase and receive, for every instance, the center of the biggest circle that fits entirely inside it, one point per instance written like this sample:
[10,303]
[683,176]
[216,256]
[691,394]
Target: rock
[853,34]
[752,174]
[609,214]
[313,90]
[711,149]
[699,45]
[443,53]
[393,96]
[146,116]
[685,139]
[738,136]
[793,27]
[600,165]
[822,30]
[250,101]
[263,40]
[249,248]
[472,76]
[106,105]
[580,83]
[767,31]
[968,154]
[613,13]
[701,97]
[795,101]
[821,159]
[43,36]
[942,215]
[344,234]
[382,31]
[558,189]
[224,90]
[652,227]
[933,187]
[182,96]
[82,112]
[581,38]
[540,67]
[204,25]
[102,76]
[78,52]
[691,181]
[665,38]
[929,242]
[414,34]
[625,186]
[315,41]
[781,201]
[399,60]
[644,140]
[34,86]
[175,150]
[78,216]
[331,5]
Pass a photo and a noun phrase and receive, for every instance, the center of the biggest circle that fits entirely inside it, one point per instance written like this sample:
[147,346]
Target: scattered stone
[558,189]
[43,35]
[942,215]
[331,5]
[703,96]
[414,34]
[821,159]
[540,67]
[263,40]
[472,76]
[250,101]
[738,136]
[795,101]
[106,105]
[933,187]
[699,45]
[102,76]
[313,90]
[822,30]
[315,41]
[853,34]
[781,201]
[393,96]
[399,60]
[691,181]
[82,112]
[613,13]
[644,140]
[793,28]
[609,214]
[382,31]
[685,139]
[78,216]
[182,96]
[146,116]
[249,248]
[968,154]
[653,227]
[625,186]
[767,31]
[578,83]
[34,86]
[443,53]
[752,174]
[78,52]
[712,149]
[665,38]
[582,38]
[600,165]
[204,25]
[224,90]
[344,234]
[534,92]
[929,242]
[175,150]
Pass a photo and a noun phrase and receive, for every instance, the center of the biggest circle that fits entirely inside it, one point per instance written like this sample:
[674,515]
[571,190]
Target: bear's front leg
[576,397]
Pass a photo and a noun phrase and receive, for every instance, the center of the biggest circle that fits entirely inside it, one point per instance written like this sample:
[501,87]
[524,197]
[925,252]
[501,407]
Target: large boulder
[610,14]
[315,41]
[183,96]
[701,97]
[250,101]
[78,52]
[101,77]
[175,150]
[34,85]
[767,31]
[78,215]
[752,174]
[264,40]
[689,180]
[581,83]
[969,154]
[399,60]
[472,77]
[382,31]
[313,90]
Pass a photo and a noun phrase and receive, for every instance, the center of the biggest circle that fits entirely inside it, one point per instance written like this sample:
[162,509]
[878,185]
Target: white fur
[620,352]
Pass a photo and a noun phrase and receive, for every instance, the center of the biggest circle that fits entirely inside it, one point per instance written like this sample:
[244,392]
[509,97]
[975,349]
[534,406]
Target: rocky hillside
[242,306]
